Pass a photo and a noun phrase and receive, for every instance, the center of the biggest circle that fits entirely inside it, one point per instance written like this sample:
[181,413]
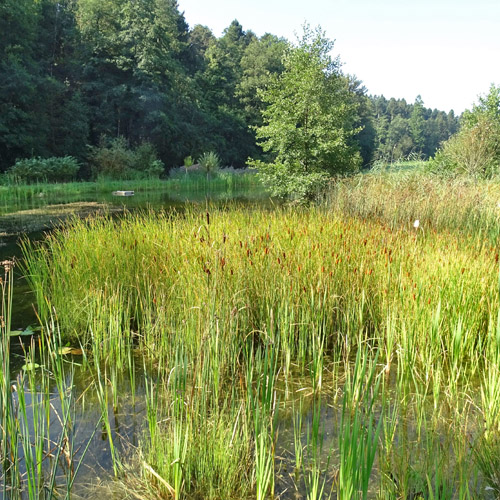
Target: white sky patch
[445,50]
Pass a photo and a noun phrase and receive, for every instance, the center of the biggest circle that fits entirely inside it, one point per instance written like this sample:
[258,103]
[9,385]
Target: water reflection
[32,218]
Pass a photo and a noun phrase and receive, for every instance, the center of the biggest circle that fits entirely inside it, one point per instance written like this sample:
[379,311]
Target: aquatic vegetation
[359,434]
[307,281]
[15,197]
[360,356]
[38,456]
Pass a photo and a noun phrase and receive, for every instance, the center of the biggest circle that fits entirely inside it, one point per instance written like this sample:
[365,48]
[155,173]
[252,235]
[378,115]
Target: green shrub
[113,159]
[156,168]
[188,161]
[210,162]
[474,151]
[55,169]
[146,161]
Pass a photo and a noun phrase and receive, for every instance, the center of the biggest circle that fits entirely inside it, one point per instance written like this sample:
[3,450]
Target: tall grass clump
[398,198]
[194,442]
[38,455]
[233,309]
[161,279]
[359,432]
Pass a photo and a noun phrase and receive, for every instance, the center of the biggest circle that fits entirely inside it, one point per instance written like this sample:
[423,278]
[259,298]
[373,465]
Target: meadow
[337,351]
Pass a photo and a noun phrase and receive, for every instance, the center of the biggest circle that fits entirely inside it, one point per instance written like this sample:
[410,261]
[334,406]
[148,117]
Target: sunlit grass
[304,280]
[398,198]
[240,313]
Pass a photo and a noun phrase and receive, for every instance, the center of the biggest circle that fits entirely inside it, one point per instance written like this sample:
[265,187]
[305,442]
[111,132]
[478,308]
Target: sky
[446,51]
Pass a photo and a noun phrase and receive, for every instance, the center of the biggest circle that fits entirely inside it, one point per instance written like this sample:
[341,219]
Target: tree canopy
[75,71]
[475,149]
[309,121]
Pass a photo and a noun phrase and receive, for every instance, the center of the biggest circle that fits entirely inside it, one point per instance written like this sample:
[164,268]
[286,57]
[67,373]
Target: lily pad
[28,331]
[30,366]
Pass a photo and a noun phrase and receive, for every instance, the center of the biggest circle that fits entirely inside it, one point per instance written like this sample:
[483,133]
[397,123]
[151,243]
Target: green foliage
[113,159]
[365,123]
[72,71]
[475,150]
[210,162]
[308,122]
[399,139]
[42,110]
[55,169]
[260,63]
[402,129]
[487,108]
[417,124]
[146,161]
[290,181]
[226,128]
[188,161]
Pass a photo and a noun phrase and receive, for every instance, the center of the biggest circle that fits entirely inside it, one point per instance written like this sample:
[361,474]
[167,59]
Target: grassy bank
[399,197]
[373,344]
[19,193]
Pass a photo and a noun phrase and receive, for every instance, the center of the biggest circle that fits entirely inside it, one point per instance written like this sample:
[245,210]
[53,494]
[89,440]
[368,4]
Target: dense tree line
[402,129]
[73,72]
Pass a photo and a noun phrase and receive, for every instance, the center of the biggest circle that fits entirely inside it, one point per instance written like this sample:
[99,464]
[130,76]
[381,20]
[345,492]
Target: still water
[32,219]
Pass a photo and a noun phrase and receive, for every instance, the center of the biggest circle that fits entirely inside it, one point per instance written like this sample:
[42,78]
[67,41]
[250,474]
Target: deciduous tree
[309,119]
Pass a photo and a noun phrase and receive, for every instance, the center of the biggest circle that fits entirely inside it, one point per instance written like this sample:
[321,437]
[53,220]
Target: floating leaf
[70,350]
[30,366]
[28,331]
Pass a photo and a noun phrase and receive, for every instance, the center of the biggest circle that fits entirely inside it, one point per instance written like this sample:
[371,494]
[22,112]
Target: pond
[32,219]
[245,352]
